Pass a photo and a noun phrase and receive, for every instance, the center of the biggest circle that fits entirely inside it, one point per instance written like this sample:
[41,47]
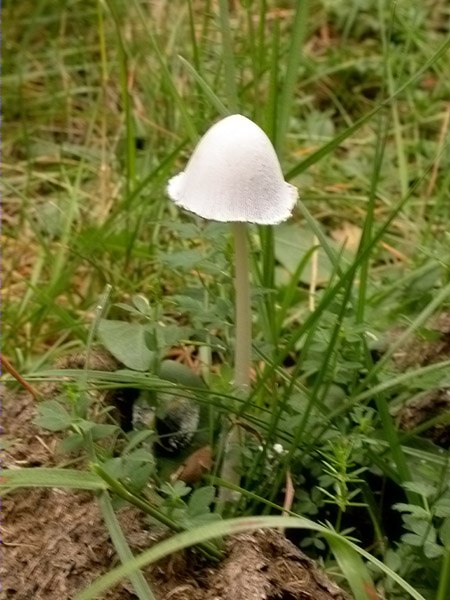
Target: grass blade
[222,528]
[354,569]
[444,580]
[52,477]
[287,94]
[137,579]
[228,56]
[209,94]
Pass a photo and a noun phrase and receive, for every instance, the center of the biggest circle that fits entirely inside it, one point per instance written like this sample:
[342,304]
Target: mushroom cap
[234,175]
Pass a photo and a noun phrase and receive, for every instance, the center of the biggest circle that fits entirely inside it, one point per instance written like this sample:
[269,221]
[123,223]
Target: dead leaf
[349,235]
[195,466]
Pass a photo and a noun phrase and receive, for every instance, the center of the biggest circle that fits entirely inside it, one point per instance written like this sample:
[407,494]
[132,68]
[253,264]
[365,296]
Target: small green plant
[341,475]
[427,526]
[190,512]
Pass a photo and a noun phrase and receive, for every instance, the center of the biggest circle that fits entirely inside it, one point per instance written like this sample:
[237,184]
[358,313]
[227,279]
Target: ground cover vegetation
[118,307]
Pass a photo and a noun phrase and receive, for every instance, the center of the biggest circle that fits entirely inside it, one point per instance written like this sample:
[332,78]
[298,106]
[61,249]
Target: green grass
[105,101]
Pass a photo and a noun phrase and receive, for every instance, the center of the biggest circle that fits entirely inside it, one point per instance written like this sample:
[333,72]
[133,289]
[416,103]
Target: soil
[434,403]
[422,352]
[424,408]
[55,544]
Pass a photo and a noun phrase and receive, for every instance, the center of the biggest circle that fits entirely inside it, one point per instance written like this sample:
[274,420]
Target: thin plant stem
[444,579]
[228,56]
[242,357]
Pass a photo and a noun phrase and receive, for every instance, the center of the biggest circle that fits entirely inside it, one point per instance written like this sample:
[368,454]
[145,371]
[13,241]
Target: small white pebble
[278,448]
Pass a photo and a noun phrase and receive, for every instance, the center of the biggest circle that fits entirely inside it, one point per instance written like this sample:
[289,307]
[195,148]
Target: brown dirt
[424,408]
[55,543]
[422,352]
[25,445]
[265,565]
[436,402]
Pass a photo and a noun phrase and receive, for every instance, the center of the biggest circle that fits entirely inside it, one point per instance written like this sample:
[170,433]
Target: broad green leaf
[444,532]
[184,259]
[420,487]
[432,550]
[200,500]
[136,438]
[413,540]
[292,243]
[126,342]
[142,304]
[101,430]
[175,372]
[442,507]
[72,443]
[191,521]
[53,416]
[414,509]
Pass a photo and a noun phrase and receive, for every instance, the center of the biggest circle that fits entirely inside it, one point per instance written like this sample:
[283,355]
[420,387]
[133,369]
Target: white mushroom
[234,175]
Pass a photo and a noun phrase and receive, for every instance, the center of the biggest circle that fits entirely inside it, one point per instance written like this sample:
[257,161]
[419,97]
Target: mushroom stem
[242,357]
[243,335]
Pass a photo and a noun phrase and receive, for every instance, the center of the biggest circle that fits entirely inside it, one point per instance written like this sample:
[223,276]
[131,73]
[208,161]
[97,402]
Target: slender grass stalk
[390,78]
[167,75]
[369,221]
[208,93]
[130,154]
[194,44]
[123,492]
[140,585]
[228,56]
[444,579]
[288,91]
[344,277]
[271,105]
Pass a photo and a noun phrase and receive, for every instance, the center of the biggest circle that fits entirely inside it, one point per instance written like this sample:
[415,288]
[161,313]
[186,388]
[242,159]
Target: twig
[441,140]
[314,274]
[289,493]
[18,377]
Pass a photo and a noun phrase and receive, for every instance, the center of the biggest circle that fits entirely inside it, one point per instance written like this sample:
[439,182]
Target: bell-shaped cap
[234,175]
